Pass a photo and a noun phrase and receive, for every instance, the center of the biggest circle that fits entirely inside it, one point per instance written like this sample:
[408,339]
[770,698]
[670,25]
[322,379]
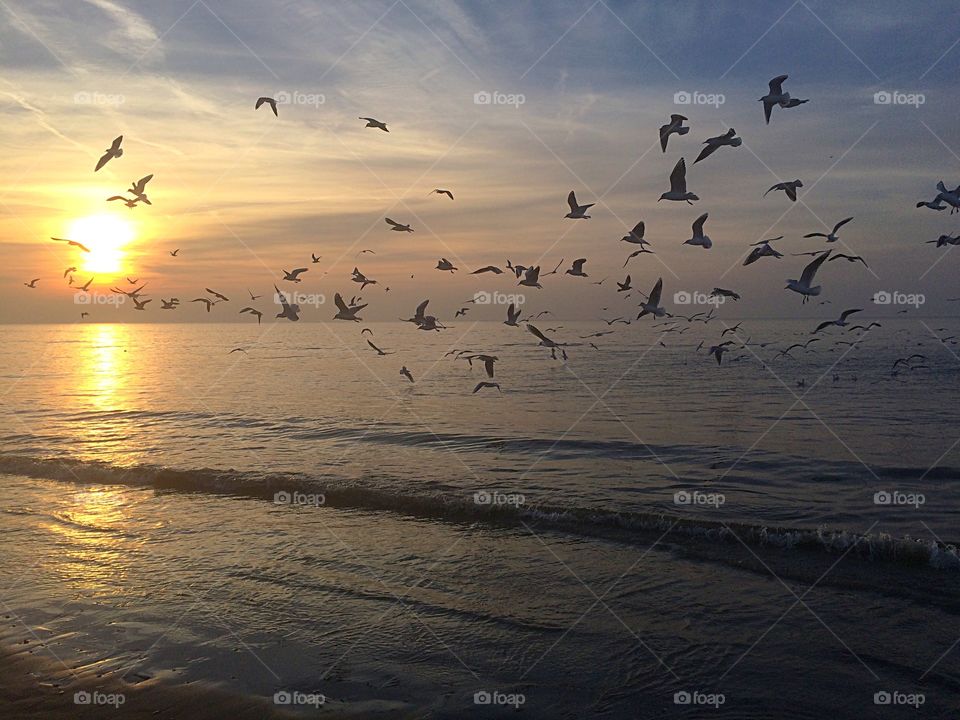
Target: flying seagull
[789,187]
[531,277]
[513,314]
[624,286]
[269,101]
[218,295]
[397,227]
[438,191]
[718,350]
[253,311]
[207,301]
[652,305]
[720,292]
[74,243]
[359,277]
[832,235]
[713,144]
[674,126]
[114,151]
[129,202]
[32,283]
[488,268]
[293,275]
[763,249]
[444,264]
[577,268]
[804,285]
[344,312]
[841,322]
[678,185]
[406,373]
[577,212]
[849,258]
[635,236]
[777,96]
[481,385]
[699,238]
[380,352]
[289,311]
[371,123]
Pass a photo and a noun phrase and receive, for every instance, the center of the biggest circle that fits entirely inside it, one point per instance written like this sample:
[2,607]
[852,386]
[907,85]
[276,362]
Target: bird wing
[706,152]
[847,313]
[841,224]
[421,309]
[374,347]
[776,85]
[389,221]
[698,225]
[298,271]
[578,264]
[810,270]
[539,334]
[532,274]
[654,298]
[638,230]
[678,178]
[338,301]
[572,201]
[824,324]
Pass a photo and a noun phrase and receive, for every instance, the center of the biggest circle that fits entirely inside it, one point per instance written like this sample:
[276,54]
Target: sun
[106,236]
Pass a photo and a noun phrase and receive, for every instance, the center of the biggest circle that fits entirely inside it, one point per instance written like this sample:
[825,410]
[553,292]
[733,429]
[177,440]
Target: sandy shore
[40,687]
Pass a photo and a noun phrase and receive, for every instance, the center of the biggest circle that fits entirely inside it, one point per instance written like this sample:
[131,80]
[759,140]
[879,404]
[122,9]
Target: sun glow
[106,236]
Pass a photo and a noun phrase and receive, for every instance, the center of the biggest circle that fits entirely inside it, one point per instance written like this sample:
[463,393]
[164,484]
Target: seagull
[444,264]
[397,227]
[832,235]
[371,123]
[140,304]
[531,278]
[253,311]
[269,101]
[544,340]
[720,292]
[763,249]
[789,187]
[132,282]
[69,270]
[699,238]
[481,385]
[344,312]
[849,258]
[139,187]
[841,322]
[218,295]
[252,296]
[488,268]
[777,96]
[359,277]
[170,304]
[380,352]
[678,185]
[32,283]
[86,287]
[315,258]
[798,345]
[290,311]
[293,275]
[129,202]
[577,268]
[803,285]
[652,305]
[635,253]
[438,191]
[674,126]
[173,253]
[406,373]
[624,286]
[635,236]
[114,151]
[945,240]
[513,314]
[718,350]
[868,328]
[577,212]
[74,243]
[950,197]
[715,143]
[487,360]
[731,329]
[461,312]
[208,302]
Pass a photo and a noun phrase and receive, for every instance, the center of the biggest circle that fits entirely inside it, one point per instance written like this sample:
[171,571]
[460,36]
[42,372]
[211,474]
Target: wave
[492,510]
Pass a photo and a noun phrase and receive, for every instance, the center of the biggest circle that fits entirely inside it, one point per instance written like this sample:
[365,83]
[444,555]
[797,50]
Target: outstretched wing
[810,270]
[539,334]
[776,85]
[678,178]
[572,201]
[654,298]
[698,225]
[338,301]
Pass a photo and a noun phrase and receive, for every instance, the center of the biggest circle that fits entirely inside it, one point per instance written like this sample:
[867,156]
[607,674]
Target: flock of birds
[529,276]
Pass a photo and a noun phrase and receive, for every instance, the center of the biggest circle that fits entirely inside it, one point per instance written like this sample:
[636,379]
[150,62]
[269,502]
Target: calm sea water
[604,533]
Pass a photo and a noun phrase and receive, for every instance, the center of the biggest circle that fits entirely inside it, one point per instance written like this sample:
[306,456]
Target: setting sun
[106,236]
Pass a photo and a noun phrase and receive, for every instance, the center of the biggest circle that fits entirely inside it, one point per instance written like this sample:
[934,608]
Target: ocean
[636,532]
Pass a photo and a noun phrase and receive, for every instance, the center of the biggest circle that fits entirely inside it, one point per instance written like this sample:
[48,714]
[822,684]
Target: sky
[580,87]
